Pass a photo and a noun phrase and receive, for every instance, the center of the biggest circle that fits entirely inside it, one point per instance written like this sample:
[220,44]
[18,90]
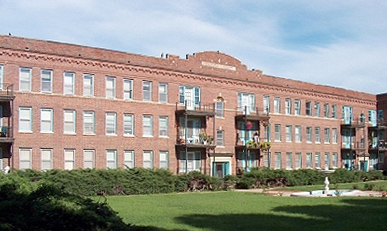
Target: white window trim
[49,72]
[29,80]
[73,122]
[113,89]
[51,120]
[68,75]
[126,115]
[29,130]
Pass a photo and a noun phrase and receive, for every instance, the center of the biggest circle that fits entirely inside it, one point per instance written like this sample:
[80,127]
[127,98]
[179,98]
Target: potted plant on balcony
[251,144]
[265,145]
[203,137]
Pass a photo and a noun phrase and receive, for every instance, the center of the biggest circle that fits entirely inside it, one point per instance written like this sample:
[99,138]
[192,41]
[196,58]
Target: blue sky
[329,42]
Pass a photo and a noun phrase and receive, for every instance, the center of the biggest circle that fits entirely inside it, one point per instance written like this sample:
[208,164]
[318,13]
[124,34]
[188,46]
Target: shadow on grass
[353,214]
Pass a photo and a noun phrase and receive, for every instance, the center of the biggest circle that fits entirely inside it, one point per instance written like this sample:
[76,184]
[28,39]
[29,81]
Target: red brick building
[67,106]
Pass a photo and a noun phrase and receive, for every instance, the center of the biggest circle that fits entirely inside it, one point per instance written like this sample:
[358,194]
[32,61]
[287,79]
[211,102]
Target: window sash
[88,85]
[88,123]
[277,132]
[111,159]
[110,87]
[128,124]
[327,135]
[147,91]
[164,157]
[147,125]
[69,159]
[317,109]
[1,77]
[25,76]
[297,107]
[129,158]
[25,119]
[297,133]
[163,93]
[46,81]
[317,133]
[68,83]
[289,160]
[148,159]
[128,89]
[277,160]
[266,104]
[88,158]
[308,108]
[46,120]
[111,123]
[25,161]
[277,105]
[220,137]
[309,134]
[163,126]
[317,160]
[46,159]
[288,106]
[69,121]
[289,133]
[219,108]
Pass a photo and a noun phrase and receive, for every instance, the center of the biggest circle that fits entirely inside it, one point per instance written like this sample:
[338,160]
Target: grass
[228,211]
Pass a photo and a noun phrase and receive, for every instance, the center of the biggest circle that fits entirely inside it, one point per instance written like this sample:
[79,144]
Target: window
[69,122]
[164,157]
[148,159]
[297,107]
[317,160]
[189,161]
[68,83]
[308,108]
[266,135]
[309,134]
[317,109]
[88,85]
[111,158]
[189,96]
[309,160]
[129,158]
[128,89]
[88,122]
[277,105]
[277,132]
[25,75]
[25,161]
[69,159]
[46,81]
[335,160]
[147,125]
[326,110]
[25,119]
[128,125]
[266,104]
[220,138]
[317,135]
[326,160]
[1,78]
[288,106]
[88,159]
[46,159]
[334,111]
[146,91]
[163,93]
[289,160]
[219,107]
[326,135]
[277,160]
[297,160]
[246,102]
[266,160]
[334,135]
[297,133]
[110,87]
[46,120]
[111,123]
[289,133]
[163,126]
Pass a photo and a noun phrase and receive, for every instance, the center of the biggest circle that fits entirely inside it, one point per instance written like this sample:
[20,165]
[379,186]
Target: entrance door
[347,138]
[190,98]
[220,169]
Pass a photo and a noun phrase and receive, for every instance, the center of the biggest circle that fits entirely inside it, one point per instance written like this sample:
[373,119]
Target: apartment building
[66,106]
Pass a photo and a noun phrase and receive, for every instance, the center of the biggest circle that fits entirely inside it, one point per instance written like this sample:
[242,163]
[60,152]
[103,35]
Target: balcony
[357,146]
[251,115]
[195,142]
[191,108]
[381,146]
[359,123]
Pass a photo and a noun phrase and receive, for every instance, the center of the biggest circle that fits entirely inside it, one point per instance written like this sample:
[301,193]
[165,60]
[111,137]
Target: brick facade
[213,76]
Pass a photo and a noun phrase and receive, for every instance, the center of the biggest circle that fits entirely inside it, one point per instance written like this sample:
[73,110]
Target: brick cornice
[159,70]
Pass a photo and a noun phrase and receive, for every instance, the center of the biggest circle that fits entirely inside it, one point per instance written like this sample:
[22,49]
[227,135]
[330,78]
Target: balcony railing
[251,114]
[193,108]
[6,91]
[356,145]
[359,123]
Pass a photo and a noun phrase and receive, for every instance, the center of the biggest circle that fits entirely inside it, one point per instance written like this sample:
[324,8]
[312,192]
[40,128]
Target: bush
[49,208]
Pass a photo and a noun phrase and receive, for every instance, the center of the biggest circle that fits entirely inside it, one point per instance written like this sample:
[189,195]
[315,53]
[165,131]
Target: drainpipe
[246,138]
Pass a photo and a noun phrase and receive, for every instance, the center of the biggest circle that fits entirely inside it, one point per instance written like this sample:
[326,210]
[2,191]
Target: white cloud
[339,43]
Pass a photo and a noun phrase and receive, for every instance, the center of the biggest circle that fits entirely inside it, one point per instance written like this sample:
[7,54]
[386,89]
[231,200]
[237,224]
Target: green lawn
[226,211]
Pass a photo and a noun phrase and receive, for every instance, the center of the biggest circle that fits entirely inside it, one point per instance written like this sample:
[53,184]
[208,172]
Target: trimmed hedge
[91,182]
